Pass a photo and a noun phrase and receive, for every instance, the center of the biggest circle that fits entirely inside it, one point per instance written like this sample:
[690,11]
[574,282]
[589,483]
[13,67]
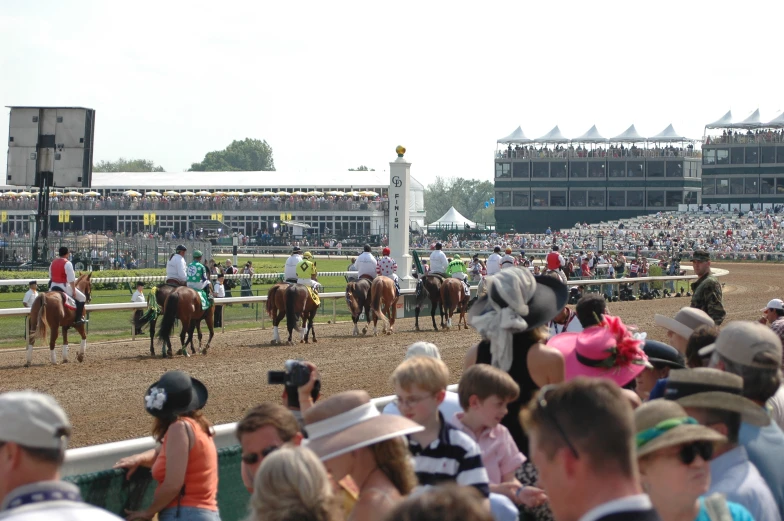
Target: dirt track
[103,396]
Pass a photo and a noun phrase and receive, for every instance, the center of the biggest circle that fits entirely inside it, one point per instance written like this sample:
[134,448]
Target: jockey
[457,270]
[494,261]
[290,269]
[387,266]
[197,274]
[61,274]
[555,263]
[366,264]
[438,261]
[508,261]
[306,272]
[176,268]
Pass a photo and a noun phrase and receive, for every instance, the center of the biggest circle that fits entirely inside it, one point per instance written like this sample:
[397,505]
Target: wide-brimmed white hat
[685,321]
[348,421]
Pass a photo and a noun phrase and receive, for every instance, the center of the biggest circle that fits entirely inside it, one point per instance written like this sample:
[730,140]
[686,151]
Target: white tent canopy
[777,122]
[515,137]
[752,121]
[667,135]
[630,135]
[554,136]
[592,136]
[452,219]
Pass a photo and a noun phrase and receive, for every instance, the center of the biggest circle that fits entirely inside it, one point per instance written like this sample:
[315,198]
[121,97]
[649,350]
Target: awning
[515,137]
[592,136]
[554,136]
[630,135]
[723,122]
[668,135]
[295,223]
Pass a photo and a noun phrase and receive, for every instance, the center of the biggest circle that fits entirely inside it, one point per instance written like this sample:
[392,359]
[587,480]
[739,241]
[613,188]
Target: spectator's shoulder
[458,438]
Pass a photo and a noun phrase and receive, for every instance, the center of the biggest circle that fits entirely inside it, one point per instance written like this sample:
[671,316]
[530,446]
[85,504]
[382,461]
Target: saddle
[314,296]
[436,275]
[68,301]
[366,277]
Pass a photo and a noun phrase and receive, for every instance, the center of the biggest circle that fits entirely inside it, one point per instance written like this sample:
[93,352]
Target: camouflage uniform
[706,295]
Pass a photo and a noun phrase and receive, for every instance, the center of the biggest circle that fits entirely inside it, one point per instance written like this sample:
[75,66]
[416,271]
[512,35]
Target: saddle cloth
[205,303]
[314,296]
[68,301]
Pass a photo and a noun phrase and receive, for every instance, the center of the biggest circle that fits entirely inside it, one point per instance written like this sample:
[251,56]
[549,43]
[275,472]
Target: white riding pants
[70,291]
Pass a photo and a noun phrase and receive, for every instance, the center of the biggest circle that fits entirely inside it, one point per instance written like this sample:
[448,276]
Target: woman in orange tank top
[185,463]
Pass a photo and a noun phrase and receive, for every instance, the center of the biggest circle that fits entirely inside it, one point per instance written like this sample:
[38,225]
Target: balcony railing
[613,153]
[156,204]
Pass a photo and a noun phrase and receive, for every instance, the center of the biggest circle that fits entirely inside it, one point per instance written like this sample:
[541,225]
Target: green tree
[248,155]
[128,165]
[361,168]
[468,196]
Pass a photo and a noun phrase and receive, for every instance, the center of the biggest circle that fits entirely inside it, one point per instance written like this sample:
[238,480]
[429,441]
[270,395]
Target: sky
[333,85]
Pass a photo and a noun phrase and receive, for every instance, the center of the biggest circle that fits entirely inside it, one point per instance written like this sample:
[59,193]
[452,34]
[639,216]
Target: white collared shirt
[637,502]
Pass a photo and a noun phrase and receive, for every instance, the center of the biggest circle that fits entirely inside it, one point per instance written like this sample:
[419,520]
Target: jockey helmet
[555,248]
[438,246]
[457,256]
[180,248]
[62,251]
[497,249]
[296,249]
[196,254]
[307,255]
[366,248]
[386,251]
[509,250]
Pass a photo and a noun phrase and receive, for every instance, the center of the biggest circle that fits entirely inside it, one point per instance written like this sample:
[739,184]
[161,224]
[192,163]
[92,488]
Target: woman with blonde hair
[352,438]
[292,485]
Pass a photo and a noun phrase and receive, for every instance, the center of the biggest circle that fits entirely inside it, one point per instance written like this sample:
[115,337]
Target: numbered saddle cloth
[205,302]
[314,296]
[68,301]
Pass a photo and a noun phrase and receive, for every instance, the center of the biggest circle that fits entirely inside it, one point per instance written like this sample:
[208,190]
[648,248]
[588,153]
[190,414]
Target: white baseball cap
[776,303]
[33,420]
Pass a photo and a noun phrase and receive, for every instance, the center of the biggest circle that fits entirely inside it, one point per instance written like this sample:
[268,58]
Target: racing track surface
[104,395]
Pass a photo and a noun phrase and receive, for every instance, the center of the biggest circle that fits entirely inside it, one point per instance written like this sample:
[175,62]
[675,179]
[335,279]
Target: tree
[468,196]
[361,168]
[128,165]
[249,155]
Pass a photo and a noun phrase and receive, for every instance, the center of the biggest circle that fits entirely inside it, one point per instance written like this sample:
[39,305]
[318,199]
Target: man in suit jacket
[582,441]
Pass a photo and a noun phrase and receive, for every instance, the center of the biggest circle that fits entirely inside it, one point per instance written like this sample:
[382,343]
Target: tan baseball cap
[747,343]
[34,420]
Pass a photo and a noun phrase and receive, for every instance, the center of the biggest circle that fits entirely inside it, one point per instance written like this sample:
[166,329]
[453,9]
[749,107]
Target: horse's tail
[269,306]
[140,320]
[376,297]
[38,316]
[292,323]
[353,305]
[169,316]
[447,296]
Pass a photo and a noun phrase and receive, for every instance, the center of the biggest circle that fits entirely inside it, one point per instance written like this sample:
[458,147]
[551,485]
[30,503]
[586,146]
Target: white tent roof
[554,136]
[667,135]
[630,135]
[777,122]
[453,218]
[592,136]
[723,122]
[752,121]
[515,137]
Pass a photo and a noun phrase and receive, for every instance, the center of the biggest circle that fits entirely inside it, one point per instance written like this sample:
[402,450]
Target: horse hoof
[314,340]
[27,364]
[80,358]
[65,361]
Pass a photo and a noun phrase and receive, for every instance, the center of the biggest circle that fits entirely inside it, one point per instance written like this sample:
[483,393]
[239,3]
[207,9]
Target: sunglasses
[252,459]
[688,453]
[541,400]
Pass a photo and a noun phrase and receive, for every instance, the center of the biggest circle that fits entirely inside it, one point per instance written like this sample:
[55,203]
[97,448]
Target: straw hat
[348,421]
[662,423]
[713,389]
[685,321]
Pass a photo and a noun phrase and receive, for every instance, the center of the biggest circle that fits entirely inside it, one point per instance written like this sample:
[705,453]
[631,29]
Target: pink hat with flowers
[605,351]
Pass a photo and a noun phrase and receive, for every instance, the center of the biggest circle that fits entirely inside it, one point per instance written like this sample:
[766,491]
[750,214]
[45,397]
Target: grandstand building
[554,181]
[743,161]
[342,204]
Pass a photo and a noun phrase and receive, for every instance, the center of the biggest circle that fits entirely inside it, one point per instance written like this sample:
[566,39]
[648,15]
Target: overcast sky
[332,85]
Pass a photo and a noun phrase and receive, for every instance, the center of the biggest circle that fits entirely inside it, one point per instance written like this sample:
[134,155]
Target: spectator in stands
[185,462]
[662,358]
[590,310]
[753,352]
[31,294]
[713,399]
[682,325]
[772,315]
[582,442]
[674,463]
[264,429]
[292,485]
[565,322]
[706,290]
[138,296]
[352,438]
[701,337]
[300,399]
[451,404]
[443,503]
[34,433]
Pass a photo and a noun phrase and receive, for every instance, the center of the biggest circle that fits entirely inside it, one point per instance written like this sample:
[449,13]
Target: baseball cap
[776,303]
[747,343]
[34,420]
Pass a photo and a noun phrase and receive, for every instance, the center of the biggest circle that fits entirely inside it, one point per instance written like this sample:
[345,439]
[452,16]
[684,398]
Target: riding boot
[419,288]
[467,288]
[397,288]
[79,313]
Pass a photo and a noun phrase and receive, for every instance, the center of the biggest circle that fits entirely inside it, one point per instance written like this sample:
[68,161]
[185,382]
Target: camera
[296,374]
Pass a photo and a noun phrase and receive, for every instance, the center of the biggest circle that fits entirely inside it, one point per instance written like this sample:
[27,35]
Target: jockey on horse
[457,270]
[290,269]
[307,274]
[62,278]
[438,266]
[387,266]
[555,264]
[176,268]
[197,277]
[367,265]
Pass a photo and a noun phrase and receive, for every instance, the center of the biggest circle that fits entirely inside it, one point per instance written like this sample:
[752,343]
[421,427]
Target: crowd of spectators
[586,151]
[748,137]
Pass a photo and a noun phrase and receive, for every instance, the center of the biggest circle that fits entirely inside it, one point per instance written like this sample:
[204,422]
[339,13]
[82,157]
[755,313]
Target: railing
[146,205]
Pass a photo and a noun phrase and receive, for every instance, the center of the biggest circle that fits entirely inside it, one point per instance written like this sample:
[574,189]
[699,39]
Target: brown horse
[185,304]
[276,308]
[431,288]
[151,315]
[49,312]
[453,297]
[358,300]
[300,305]
[383,292]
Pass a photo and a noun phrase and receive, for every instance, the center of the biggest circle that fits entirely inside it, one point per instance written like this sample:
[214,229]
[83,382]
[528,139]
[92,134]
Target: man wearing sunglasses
[714,398]
[582,442]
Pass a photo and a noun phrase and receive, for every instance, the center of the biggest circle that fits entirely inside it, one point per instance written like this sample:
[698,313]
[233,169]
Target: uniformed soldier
[306,272]
[706,291]
[457,270]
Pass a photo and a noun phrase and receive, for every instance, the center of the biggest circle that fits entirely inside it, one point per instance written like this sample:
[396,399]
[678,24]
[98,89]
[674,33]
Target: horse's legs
[416,315]
[312,330]
[367,316]
[210,319]
[82,344]
[354,319]
[65,344]
[433,306]
[198,332]
[393,316]
[152,339]
[276,320]
[304,338]
[52,340]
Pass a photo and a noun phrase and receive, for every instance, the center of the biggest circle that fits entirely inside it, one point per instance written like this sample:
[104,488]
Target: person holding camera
[230,283]
[245,282]
[302,386]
